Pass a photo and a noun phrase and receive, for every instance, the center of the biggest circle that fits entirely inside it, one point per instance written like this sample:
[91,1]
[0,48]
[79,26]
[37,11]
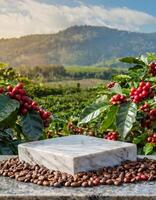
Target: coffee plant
[21,118]
[126,108]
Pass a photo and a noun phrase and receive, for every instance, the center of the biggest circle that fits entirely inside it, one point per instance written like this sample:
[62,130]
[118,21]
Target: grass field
[76,69]
[84,83]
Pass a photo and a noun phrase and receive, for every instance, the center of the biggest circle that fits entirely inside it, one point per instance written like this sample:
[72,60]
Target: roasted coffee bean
[84,184]
[133,180]
[109,182]
[28,176]
[127,172]
[35,181]
[5,173]
[23,173]
[75,184]
[103,181]
[39,182]
[41,178]
[122,175]
[21,178]
[117,183]
[127,166]
[67,184]
[46,183]
[27,180]
[57,184]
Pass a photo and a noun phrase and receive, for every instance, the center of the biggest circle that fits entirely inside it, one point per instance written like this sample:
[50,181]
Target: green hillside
[78,45]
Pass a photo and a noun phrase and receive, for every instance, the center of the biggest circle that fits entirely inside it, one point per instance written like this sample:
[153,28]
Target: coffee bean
[117,183]
[126,166]
[28,176]
[57,184]
[5,173]
[41,178]
[46,183]
[39,182]
[75,184]
[22,178]
[35,181]
[23,173]
[84,184]
[90,183]
[109,182]
[103,181]
[127,172]
[67,184]
[122,175]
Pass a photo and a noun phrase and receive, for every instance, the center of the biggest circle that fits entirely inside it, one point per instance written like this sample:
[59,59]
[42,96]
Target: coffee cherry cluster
[26,103]
[152,68]
[152,114]
[117,99]
[145,107]
[111,136]
[80,130]
[149,117]
[74,129]
[1,90]
[152,139]
[111,84]
[143,91]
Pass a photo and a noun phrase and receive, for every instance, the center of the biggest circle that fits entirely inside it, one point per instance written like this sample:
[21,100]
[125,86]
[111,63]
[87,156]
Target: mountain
[77,45]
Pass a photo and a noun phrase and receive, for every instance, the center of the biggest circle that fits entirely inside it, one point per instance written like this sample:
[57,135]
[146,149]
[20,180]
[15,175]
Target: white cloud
[23,17]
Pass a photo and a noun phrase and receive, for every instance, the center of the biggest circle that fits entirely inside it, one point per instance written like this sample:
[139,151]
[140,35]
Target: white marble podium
[77,153]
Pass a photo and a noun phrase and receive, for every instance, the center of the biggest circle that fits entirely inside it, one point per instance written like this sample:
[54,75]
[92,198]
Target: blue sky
[23,17]
[148,6]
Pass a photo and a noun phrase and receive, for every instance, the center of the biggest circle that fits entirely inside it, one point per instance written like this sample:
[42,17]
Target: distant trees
[43,72]
[53,72]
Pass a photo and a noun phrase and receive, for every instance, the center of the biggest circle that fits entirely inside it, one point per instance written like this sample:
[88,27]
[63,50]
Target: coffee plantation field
[122,109]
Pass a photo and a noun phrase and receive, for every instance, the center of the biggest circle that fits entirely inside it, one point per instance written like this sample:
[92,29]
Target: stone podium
[77,153]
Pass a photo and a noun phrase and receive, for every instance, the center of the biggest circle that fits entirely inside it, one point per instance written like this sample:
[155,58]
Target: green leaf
[32,125]
[8,111]
[144,59]
[121,77]
[110,118]
[125,118]
[139,139]
[148,148]
[102,99]
[151,79]
[116,89]
[132,60]
[92,112]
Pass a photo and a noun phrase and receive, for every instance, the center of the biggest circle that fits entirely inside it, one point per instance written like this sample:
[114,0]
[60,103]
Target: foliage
[21,119]
[115,113]
[130,109]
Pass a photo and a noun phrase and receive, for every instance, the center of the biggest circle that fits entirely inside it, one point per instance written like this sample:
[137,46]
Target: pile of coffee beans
[127,172]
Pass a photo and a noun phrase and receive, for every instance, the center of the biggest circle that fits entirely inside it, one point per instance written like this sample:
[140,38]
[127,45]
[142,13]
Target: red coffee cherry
[152,68]
[111,136]
[26,103]
[117,99]
[111,84]
[145,107]
[152,139]
[140,93]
